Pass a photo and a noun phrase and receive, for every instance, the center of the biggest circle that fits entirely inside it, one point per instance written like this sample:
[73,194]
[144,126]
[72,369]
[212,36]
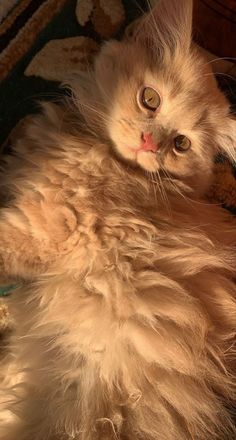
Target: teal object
[6,290]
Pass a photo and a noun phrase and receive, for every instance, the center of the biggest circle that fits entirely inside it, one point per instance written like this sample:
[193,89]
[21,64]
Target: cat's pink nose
[147,143]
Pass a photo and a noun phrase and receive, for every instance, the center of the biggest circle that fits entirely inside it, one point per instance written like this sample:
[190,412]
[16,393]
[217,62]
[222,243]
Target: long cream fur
[125,320]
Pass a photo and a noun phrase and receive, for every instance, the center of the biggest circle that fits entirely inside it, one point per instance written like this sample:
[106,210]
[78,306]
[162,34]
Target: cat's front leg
[33,236]
[21,254]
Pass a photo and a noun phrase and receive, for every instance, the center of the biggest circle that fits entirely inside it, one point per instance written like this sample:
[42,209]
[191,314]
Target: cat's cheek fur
[125,152]
[148,161]
[227,137]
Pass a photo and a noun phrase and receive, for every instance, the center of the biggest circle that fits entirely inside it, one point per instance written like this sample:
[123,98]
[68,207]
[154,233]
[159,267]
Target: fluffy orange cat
[125,321]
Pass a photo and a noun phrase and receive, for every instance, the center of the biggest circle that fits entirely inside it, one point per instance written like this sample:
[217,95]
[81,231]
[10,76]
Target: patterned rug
[42,41]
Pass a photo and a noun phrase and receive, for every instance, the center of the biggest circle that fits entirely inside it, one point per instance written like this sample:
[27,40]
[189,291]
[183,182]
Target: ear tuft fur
[168,26]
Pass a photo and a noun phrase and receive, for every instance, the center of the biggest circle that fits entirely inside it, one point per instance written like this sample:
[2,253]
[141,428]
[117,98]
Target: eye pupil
[150,99]
[182,143]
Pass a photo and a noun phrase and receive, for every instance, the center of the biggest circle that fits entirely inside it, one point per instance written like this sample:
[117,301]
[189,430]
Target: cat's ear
[168,26]
[227,139]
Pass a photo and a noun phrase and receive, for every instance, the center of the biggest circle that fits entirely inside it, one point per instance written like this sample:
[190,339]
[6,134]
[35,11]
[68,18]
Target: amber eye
[182,143]
[149,99]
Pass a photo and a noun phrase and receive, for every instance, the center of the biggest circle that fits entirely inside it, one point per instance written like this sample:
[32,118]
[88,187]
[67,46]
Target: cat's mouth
[138,150]
[146,153]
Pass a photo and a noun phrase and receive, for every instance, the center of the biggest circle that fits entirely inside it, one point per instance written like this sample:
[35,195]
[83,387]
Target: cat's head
[157,100]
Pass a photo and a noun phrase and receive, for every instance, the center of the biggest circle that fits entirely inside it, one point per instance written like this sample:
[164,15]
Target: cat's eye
[149,98]
[182,143]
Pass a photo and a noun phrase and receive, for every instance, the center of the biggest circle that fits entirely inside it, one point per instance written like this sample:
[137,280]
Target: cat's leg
[21,253]
[33,235]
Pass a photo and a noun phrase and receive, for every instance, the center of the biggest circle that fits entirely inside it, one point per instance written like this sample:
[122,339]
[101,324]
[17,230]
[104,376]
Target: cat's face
[159,101]
[161,117]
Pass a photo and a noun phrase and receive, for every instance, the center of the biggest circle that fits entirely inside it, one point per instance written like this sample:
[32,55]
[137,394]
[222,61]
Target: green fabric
[6,290]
